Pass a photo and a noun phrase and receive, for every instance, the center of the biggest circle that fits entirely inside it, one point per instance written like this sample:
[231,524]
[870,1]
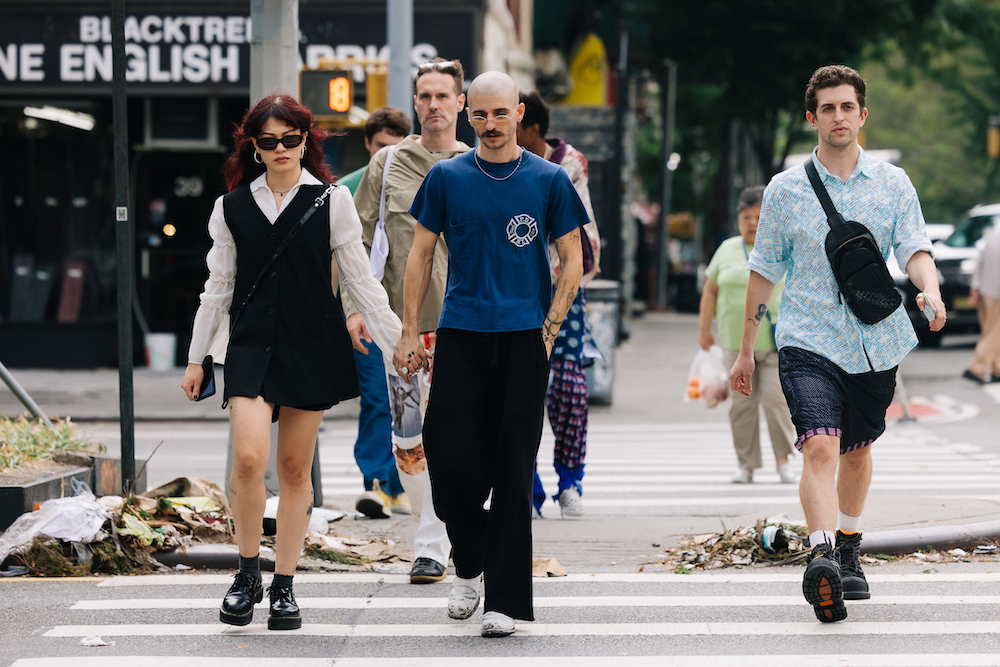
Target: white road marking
[549,602]
[932,628]
[950,659]
[196,579]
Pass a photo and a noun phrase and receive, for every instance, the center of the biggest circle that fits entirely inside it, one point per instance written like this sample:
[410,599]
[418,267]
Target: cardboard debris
[546,567]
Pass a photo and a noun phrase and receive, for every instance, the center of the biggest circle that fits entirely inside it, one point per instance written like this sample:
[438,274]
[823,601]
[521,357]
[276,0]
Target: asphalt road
[658,469]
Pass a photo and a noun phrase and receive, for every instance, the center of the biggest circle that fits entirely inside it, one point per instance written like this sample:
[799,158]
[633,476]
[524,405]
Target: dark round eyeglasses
[270,143]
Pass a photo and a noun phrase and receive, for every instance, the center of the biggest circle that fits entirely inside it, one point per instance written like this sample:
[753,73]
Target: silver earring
[303,151]
[256,158]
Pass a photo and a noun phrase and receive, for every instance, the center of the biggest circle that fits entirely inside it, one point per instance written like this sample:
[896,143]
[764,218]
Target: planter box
[16,499]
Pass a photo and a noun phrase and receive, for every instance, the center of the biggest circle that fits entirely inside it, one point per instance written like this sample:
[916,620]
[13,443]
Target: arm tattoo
[759,315]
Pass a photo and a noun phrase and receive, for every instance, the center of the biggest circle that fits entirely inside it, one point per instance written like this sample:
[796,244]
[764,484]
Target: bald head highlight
[494,83]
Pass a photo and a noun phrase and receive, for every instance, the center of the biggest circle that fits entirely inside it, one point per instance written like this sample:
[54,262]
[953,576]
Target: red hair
[240,167]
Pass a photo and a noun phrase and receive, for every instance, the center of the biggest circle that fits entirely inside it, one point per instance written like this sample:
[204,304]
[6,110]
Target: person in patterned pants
[566,400]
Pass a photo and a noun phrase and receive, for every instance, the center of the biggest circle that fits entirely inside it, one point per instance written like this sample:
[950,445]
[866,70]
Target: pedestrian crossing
[583,620]
[678,467]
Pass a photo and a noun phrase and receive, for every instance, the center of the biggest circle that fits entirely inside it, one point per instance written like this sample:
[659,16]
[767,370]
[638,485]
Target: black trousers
[481,434]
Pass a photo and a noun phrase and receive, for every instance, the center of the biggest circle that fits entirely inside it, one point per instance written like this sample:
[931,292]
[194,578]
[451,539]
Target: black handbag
[857,264]
[208,368]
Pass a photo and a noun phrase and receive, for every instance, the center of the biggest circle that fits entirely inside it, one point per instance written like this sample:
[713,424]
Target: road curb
[937,537]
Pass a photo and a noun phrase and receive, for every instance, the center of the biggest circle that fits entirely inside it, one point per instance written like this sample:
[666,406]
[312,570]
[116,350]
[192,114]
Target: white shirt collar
[305,178]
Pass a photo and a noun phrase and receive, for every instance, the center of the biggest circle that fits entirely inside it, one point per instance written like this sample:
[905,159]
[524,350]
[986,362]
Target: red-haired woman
[288,356]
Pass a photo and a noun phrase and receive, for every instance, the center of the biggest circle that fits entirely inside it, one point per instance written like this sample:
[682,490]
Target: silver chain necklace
[475,156]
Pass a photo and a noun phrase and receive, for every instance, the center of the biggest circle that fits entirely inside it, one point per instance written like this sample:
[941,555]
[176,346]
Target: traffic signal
[327,93]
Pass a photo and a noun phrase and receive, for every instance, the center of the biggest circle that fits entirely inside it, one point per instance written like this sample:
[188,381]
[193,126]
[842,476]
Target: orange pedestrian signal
[327,93]
[340,94]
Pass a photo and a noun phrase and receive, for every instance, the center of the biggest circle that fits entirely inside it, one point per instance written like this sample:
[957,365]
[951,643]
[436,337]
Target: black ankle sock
[282,580]
[250,565]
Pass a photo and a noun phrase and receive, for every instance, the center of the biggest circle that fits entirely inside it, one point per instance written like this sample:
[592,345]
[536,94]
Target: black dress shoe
[969,375]
[426,571]
[284,610]
[237,606]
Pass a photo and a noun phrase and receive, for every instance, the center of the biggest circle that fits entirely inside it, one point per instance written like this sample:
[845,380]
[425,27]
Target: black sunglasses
[270,143]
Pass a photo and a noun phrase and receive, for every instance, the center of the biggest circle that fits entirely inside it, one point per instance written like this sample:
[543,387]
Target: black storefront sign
[69,52]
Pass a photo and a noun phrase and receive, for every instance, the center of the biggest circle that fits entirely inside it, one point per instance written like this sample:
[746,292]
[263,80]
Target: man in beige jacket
[438,100]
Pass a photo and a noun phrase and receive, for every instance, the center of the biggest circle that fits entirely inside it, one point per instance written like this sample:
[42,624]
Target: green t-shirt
[728,269]
[351,180]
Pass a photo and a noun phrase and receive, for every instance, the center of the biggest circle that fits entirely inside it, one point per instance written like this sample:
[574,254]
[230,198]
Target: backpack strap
[833,217]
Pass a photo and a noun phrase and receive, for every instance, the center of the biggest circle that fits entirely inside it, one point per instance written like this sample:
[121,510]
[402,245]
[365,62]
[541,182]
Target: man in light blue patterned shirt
[838,373]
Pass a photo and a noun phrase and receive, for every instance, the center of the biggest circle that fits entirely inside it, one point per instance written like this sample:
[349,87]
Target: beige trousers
[744,414]
[987,356]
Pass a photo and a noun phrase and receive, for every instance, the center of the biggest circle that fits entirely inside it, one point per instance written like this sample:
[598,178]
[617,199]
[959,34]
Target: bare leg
[251,421]
[297,431]
[817,488]
[853,480]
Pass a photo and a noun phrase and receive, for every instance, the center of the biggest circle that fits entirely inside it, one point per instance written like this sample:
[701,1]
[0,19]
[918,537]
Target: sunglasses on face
[480,121]
[270,143]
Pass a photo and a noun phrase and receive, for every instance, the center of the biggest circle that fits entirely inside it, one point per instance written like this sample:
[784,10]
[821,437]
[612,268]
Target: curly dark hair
[536,112]
[240,167]
[832,76]
[390,119]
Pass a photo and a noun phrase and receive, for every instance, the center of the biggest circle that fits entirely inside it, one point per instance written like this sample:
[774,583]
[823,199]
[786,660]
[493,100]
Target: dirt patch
[32,471]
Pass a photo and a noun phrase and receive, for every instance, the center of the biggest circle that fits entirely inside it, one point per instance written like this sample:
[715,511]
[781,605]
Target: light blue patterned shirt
[791,237]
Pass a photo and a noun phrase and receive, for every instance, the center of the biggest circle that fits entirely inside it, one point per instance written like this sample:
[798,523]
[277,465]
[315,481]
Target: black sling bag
[857,264]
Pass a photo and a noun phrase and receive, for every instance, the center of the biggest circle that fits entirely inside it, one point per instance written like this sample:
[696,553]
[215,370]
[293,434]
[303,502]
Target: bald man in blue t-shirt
[497,206]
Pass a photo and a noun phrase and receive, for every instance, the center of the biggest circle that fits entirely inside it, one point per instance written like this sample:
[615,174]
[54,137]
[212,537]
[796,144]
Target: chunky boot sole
[238,619]
[824,590]
[284,623]
[855,588]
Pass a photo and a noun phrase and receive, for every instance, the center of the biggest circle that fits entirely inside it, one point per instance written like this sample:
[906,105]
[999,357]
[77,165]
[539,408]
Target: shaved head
[494,83]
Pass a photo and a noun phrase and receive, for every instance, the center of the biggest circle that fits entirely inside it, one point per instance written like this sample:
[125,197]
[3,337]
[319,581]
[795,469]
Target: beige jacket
[409,166]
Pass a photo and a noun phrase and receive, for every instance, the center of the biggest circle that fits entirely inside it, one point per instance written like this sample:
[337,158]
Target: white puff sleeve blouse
[210,334]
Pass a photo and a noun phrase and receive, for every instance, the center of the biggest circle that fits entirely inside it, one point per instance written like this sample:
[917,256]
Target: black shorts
[825,400]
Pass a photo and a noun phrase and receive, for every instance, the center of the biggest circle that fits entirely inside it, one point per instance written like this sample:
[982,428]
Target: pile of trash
[81,534]
[768,542]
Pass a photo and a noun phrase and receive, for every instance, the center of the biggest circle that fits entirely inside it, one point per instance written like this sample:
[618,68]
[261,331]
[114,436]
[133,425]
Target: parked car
[955,256]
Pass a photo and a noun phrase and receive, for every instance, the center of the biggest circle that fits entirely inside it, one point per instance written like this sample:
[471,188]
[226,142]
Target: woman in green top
[724,299]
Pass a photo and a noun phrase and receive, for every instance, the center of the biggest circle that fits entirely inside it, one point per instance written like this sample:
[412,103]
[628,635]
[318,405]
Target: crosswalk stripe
[539,629]
[950,659]
[597,486]
[748,578]
[549,602]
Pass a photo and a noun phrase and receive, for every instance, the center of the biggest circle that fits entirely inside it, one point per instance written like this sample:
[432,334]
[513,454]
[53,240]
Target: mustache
[493,134]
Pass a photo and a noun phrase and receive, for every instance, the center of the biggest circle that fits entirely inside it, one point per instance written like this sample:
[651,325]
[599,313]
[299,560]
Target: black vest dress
[290,345]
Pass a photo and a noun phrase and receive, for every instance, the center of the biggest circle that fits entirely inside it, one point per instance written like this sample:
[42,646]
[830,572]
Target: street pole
[274,48]
[399,28]
[669,106]
[123,237]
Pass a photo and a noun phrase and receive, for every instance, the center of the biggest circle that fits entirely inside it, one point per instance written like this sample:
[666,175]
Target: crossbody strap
[281,248]
[833,217]
[380,240]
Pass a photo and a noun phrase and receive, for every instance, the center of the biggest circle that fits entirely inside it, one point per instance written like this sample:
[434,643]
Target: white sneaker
[786,474]
[742,476]
[535,514]
[464,598]
[570,504]
[496,624]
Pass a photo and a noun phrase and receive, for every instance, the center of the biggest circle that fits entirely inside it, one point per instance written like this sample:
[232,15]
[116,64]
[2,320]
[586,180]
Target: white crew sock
[821,536]
[848,524]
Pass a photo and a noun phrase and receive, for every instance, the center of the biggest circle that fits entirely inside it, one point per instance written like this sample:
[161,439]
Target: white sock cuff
[820,536]
[848,524]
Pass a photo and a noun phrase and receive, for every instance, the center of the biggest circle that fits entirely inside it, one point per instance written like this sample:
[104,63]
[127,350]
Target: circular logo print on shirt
[522,230]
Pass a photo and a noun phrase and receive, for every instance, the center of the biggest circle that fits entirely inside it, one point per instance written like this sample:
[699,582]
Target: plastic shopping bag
[708,379]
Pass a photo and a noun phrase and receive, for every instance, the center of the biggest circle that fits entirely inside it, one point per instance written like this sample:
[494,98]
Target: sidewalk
[651,370]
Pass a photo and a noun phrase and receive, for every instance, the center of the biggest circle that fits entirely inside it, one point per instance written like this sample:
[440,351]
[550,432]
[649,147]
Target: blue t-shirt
[497,234]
